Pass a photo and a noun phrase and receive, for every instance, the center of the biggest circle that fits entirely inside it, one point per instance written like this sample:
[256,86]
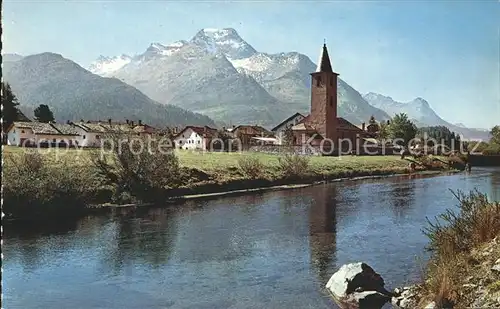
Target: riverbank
[464,269]
[228,190]
[44,183]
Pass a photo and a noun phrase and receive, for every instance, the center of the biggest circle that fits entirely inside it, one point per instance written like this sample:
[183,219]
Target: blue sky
[445,52]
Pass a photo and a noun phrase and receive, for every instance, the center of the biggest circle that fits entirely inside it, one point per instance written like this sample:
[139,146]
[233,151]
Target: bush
[477,221]
[251,167]
[452,238]
[293,165]
[430,162]
[145,174]
[35,187]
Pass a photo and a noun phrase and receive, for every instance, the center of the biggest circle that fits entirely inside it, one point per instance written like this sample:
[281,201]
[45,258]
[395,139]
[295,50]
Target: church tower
[324,98]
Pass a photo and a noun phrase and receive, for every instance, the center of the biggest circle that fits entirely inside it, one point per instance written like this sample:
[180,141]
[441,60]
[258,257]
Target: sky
[447,52]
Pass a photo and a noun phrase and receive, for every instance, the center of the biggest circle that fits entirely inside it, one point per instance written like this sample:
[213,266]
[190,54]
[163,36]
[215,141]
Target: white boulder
[357,285]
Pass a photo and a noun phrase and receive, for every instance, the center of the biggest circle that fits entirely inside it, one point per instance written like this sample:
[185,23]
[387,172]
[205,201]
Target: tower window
[318,81]
[331,81]
[331,101]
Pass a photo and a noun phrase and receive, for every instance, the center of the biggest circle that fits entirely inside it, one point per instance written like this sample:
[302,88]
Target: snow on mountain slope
[286,76]
[421,113]
[220,74]
[106,66]
[225,40]
[159,50]
[200,80]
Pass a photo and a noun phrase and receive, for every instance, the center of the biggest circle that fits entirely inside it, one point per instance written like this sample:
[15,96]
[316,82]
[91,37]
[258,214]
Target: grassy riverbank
[464,271]
[46,181]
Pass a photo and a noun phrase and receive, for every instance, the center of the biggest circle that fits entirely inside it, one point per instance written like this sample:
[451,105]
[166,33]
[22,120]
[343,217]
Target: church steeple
[323,115]
[324,64]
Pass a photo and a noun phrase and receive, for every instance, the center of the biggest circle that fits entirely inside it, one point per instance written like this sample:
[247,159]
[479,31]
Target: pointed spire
[324,64]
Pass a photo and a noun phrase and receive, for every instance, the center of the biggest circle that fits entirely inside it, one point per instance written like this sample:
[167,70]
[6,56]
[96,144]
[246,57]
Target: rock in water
[357,285]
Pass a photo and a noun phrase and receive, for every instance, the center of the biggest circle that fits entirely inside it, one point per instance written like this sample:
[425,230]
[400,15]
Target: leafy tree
[402,128]
[495,134]
[383,132]
[440,135]
[168,133]
[43,114]
[10,111]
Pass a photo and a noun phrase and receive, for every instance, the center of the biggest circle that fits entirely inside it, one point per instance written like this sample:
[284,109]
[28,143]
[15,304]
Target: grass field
[220,162]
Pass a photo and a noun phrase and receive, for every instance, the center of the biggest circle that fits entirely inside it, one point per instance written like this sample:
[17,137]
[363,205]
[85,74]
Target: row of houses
[90,133]
[82,134]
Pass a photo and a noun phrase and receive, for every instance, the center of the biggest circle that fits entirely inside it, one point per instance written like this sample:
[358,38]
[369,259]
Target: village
[321,124]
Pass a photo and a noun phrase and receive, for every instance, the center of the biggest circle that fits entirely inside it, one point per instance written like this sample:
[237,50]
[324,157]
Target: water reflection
[322,231]
[402,196]
[143,238]
[268,250]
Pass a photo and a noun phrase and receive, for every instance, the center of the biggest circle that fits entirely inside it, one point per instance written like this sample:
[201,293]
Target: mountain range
[73,93]
[421,113]
[216,73]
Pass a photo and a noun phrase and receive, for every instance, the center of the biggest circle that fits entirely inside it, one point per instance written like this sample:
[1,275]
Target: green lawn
[215,161]
[218,161]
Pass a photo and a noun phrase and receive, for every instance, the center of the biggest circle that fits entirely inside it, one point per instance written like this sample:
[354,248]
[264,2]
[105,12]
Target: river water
[267,250]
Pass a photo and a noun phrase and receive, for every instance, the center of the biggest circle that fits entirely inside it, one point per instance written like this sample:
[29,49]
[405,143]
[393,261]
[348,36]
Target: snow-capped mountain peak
[158,49]
[225,40]
[105,66]
[372,96]
[421,102]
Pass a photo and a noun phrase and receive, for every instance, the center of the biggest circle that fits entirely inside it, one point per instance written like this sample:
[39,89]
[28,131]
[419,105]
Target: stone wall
[316,150]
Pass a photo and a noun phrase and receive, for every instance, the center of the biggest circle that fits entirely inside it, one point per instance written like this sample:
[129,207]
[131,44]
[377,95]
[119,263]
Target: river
[268,250]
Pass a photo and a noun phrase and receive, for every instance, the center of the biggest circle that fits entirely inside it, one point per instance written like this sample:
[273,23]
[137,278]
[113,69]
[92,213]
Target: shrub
[251,167]
[35,187]
[429,162]
[146,174]
[452,237]
[293,165]
[477,221]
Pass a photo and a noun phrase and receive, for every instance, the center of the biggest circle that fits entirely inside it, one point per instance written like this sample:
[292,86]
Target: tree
[402,128]
[439,135]
[10,111]
[43,114]
[383,131]
[495,134]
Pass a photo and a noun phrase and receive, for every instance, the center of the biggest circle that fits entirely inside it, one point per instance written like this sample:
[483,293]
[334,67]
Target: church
[322,127]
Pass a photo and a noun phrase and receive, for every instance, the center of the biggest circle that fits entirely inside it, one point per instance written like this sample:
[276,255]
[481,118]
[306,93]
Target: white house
[35,133]
[279,130]
[192,137]
[90,134]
